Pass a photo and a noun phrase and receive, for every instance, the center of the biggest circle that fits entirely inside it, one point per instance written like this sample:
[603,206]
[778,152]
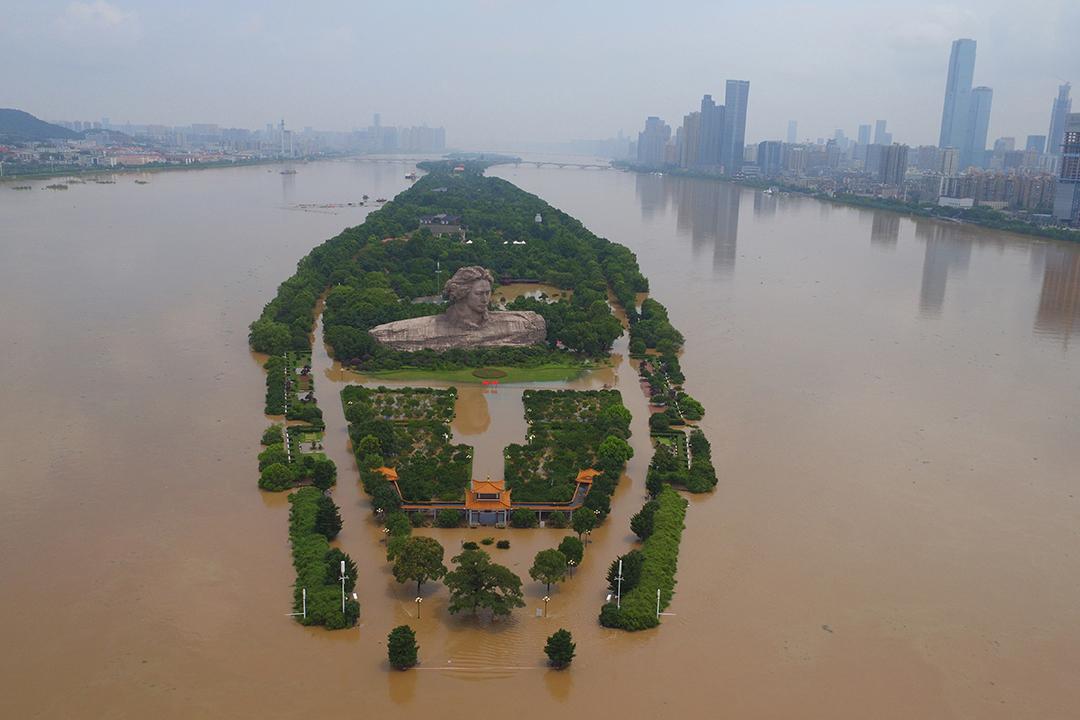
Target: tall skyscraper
[712,132]
[736,97]
[880,133]
[973,151]
[1058,111]
[1067,192]
[652,142]
[864,135]
[955,114]
[792,131]
[1036,143]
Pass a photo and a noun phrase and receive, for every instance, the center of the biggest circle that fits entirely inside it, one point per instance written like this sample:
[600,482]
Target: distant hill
[19,126]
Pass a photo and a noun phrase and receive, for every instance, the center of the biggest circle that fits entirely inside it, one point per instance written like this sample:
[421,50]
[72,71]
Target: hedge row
[661,557]
[318,567]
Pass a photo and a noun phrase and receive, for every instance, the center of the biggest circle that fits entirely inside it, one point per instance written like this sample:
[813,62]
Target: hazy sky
[493,72]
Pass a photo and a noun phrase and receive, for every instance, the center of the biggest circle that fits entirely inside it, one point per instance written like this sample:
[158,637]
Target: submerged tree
[560,649]
[583,521]
[419,559]
[401,647]
[548,567]
[573,549]
[477,583]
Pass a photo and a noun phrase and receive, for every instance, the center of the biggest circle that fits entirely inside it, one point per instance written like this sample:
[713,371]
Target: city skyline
[332,68]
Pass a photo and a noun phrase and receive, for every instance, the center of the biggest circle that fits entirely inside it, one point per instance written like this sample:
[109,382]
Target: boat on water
[290,171]
[410,176]
[380,200]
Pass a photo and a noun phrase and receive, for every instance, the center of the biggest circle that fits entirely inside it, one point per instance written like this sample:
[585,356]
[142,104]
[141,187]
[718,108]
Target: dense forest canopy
[375,271]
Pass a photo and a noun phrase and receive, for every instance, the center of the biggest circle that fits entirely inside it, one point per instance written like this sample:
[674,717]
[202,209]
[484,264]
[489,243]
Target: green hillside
[20,126]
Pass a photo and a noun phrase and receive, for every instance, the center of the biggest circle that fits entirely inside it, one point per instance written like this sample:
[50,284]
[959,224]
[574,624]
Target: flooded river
[894,407]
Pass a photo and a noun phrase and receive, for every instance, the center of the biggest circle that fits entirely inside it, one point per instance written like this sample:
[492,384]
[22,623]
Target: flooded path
[892,405]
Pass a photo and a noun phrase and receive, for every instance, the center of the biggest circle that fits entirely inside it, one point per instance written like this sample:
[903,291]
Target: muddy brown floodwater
[893,405]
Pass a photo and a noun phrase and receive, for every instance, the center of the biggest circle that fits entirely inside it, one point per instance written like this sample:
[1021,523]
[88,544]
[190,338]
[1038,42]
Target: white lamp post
[618,595]
[342,587]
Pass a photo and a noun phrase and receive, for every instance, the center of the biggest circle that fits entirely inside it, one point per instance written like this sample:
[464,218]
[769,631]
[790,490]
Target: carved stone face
[478,297]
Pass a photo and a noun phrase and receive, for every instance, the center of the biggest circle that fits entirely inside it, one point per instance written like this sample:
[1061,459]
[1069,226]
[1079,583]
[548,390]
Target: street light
[342,587]
[618,596]
[418,601]
[571,563]
[546,598]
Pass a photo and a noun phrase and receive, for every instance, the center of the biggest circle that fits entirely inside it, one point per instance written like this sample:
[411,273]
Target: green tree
[276,477]
[560,649]
[549,566]
[614,451]
[477,583]
[401,647]
[447,518]
[384,498]
[272,455]
[654,480]
[327,518]
[642,521]
[272,435]
[583,521]
[573,549]
[659,422]
[523,518]
[419,559]
[368,445]
[267,336]
[323,473]
[633,562]
[398,524]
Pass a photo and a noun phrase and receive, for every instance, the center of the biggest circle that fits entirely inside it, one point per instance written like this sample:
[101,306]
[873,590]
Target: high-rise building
[874,156]
[770,157]
[864,135]
[736,98]
[712,132]
[652,141]
[1067,192]
[690,149]
[894,160]
[950,161]
[955,115]
[1036,143]
[792,131]
[1004,144]
[1058,112]
[880,132]
[927,158]
[973,152]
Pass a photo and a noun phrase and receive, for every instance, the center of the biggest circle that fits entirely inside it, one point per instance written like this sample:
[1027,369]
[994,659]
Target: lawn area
[549,372]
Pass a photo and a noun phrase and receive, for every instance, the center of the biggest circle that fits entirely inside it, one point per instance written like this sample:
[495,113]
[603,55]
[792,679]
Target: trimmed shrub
[523,518]
[447,518]
[560,649]
[503,544]
[272,435]
[661,556]
[401,647]
[557,520]
[276,477]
